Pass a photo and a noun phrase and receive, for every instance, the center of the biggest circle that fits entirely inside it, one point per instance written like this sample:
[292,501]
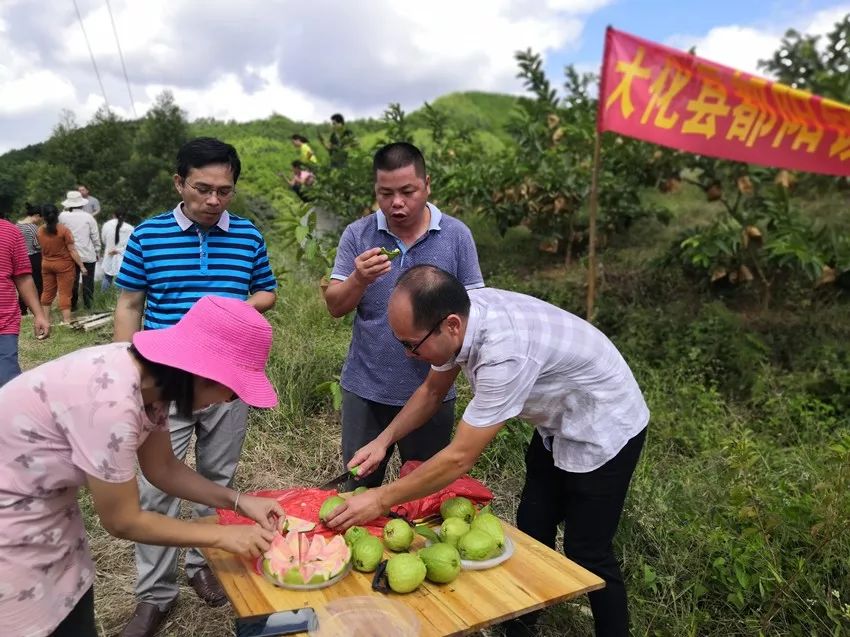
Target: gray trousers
[363,420]
[220,431]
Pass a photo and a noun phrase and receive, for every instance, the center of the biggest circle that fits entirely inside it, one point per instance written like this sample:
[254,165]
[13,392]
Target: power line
[91,54]
[121,55]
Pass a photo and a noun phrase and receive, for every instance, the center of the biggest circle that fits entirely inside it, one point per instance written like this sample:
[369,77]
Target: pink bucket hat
[225,340]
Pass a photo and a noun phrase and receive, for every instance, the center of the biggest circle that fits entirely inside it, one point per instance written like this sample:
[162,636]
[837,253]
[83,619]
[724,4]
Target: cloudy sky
[245,59]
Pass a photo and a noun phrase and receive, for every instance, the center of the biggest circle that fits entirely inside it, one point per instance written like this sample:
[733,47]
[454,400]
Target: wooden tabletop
[533,578]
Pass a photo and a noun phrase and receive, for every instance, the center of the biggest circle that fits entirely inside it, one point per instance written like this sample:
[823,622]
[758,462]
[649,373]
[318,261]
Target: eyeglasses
[206,191]
[410,347]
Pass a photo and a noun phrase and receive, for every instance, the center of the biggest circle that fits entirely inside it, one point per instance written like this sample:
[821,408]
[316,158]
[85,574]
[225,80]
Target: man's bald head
[433,295]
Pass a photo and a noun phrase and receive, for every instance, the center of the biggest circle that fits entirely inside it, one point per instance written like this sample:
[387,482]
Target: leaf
[301,233]
[336,394]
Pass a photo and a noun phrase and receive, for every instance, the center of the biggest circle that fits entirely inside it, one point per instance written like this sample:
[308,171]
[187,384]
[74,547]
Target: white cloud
[741,47]
[248,59]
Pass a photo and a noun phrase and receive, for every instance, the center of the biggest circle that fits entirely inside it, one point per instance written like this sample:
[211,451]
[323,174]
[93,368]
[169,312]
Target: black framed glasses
[205,191]
[411,347]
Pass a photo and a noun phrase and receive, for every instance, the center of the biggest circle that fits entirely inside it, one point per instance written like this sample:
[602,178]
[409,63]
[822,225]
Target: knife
[343,477]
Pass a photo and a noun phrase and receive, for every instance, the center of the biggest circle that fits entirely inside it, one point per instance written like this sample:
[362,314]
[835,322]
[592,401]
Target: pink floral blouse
[79,415]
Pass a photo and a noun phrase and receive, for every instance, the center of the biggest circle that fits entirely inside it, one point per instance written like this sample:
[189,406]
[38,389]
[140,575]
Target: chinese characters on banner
[660,95]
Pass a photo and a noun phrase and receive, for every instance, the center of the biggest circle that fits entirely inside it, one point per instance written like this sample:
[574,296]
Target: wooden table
[533,578]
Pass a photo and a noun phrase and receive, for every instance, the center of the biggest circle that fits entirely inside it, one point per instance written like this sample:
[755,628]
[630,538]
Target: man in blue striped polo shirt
[171,261]
[378,378]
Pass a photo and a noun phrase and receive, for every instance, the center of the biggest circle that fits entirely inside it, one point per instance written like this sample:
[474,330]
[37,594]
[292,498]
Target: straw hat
[73,199]
[222,339]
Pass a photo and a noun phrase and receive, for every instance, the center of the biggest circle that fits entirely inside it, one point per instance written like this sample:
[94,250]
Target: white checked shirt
[526,358]
[84,228]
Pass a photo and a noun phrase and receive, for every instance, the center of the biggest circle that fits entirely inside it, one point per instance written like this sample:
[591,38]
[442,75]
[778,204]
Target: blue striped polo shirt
[176,262]
[377,367]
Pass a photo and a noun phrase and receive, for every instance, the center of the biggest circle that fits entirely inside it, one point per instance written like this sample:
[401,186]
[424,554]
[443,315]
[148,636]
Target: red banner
[664,96]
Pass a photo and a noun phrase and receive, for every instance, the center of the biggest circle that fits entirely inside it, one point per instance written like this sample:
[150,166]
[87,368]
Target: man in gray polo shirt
[377,378]
[524,358]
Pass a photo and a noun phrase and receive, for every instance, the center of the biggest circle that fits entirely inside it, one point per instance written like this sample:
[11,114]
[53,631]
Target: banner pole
[594,204]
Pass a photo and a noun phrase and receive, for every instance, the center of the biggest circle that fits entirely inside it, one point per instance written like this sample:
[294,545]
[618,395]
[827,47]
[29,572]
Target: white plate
[258,566]
[483,565]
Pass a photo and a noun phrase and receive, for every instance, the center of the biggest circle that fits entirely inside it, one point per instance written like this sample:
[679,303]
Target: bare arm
[128,315]
[431,476]
[75,256]
[262,301]
[117,505]
[342,297]
[168,474]
[29,295]
[419,409]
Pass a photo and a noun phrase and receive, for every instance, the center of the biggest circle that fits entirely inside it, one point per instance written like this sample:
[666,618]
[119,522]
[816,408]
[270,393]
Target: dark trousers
[88,287]
[589,505]
[35,264]
[80,621]
[363,420]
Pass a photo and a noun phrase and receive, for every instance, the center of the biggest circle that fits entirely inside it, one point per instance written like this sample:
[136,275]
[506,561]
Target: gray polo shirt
[526,358]
[377,367]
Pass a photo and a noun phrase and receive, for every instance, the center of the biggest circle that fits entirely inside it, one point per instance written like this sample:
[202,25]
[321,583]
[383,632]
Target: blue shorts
[9,367]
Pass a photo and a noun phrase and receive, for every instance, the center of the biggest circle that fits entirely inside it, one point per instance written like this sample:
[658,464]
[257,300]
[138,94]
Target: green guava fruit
[405,572]
[353,534]
[452,529]
[476,545]
[390,254]
[328,507]
[366,553]
[442,562]
[457,508]
[491,525]
[360,490]
[398,535]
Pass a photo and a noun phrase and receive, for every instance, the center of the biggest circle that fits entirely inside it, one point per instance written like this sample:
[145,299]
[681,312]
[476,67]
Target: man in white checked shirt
[528,359]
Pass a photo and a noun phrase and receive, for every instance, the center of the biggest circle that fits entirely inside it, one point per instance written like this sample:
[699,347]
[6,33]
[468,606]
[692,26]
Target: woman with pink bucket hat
[86,419]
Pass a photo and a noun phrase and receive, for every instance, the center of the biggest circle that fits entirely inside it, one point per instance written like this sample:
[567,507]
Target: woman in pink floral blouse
[86,419]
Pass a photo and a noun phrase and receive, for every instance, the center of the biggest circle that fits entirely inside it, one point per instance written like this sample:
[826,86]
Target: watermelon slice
[319,560]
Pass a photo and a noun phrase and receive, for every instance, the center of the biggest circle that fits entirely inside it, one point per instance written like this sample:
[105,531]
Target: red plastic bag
[464,486]
[305,503]
[301,503]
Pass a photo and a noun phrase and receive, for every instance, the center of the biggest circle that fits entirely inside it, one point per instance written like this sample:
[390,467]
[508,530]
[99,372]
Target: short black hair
[399,155]
[300,138]
[297,163]
[203,151]
[337,118]
[434,294]
[175,385]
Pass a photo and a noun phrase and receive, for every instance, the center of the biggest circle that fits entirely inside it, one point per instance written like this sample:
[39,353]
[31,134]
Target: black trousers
[35,264]
[589,505]
[88,287]
[80,621]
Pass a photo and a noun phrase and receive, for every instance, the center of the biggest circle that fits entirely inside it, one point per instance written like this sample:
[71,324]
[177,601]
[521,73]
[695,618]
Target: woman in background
[59,262]
[114,235]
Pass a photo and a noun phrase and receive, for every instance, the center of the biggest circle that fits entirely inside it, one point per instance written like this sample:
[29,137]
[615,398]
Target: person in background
[60,262]
[114,235]
[301,180]
[339,142]
[29,228]
[377,377]
[15,282]
[86,420]
[305,153]
[87,242]
[92,205]
[172,261]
